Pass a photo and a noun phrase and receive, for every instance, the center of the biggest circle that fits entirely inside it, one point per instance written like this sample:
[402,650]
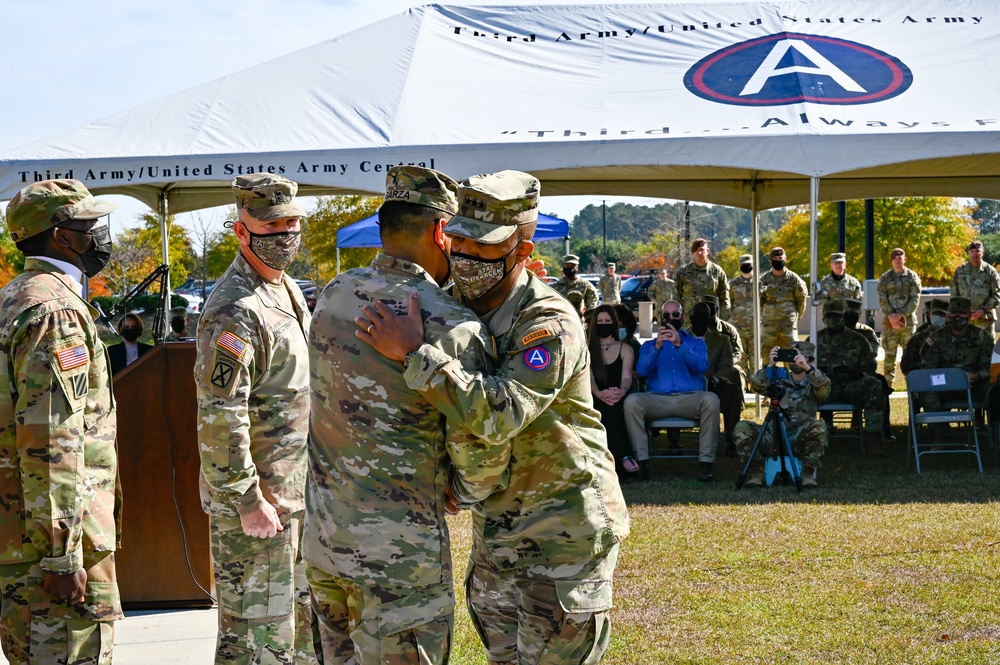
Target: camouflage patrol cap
[492,206]
[937,305]
[178,313]
[426,187]
[838,256]
[808,349]
[266,196]
[746,258]
[612,265]
[852,304]
[834,307]
[975,244]
[711,300]
[959,305]
[43,205]
[776,251]
[571,259]
[897,251]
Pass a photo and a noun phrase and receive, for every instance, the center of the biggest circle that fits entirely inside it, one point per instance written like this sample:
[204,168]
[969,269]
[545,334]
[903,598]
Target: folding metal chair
[654,427]
[847,422]
[947,379]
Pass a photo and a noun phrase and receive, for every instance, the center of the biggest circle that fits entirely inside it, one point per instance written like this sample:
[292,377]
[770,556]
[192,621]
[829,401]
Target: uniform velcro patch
[232,343]
[537,358]
[74,356]
[536,335]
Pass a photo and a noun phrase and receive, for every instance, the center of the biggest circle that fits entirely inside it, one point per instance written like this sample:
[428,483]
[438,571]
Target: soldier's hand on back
[392,335]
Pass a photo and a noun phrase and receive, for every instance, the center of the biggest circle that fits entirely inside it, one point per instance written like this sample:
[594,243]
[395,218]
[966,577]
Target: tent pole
[338,260]
[164,234]
[755,242]
[813,249]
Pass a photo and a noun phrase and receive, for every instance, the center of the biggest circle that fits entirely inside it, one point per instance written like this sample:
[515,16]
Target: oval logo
[790,67]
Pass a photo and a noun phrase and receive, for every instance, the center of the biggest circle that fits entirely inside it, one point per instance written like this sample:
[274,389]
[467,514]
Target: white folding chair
[947,379]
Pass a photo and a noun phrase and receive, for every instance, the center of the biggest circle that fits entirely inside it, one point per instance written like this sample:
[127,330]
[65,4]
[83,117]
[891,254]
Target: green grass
[877,565]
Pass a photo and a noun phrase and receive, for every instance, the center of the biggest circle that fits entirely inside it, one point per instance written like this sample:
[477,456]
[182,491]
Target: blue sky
[67,63]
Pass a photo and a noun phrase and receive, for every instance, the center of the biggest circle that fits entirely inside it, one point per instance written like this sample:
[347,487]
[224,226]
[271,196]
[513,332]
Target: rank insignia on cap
[538,334]
[231,343]
[537,358]
[74,356]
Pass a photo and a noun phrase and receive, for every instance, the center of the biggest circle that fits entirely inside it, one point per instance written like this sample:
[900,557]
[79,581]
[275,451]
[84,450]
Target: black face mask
[570,272]
[746,268]
[834,322]
[130,334]
[958,322]
[851,319]
[177,325]
[777,264]
[605,330]
[96,258]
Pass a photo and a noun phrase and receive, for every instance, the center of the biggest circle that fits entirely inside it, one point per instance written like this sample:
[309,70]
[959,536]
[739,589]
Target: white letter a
[769,67]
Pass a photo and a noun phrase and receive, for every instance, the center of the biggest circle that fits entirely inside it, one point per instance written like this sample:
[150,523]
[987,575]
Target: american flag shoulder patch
[232,343]
[74,356]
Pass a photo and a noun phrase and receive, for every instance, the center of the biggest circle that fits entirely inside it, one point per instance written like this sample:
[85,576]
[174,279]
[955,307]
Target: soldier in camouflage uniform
[376,539]
[610,286]
[545,547]
[700,278]
[961,345]
[852,319]
[846,357]
[838,284]
[805,387]
[660,291]
[252,380]
[935,315]
[782,302]
[978,281]
[60,521]
[898,296]
[570,283]
[178,325]
[741,297]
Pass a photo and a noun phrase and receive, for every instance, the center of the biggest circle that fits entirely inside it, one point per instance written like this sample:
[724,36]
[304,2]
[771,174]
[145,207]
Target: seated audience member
[611,365]
[674,364]
[178,325]
[804,387]
[852,319]
[935,317]
[723,374]
[961,345]
[122,355]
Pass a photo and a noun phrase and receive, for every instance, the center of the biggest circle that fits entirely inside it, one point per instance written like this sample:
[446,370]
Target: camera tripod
[782,461]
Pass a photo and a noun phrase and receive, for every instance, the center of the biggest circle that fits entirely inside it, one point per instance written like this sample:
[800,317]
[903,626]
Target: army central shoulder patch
[536,335]
[222,374]
[537,358]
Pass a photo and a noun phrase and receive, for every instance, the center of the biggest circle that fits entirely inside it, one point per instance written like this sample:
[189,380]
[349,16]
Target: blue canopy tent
[365,233]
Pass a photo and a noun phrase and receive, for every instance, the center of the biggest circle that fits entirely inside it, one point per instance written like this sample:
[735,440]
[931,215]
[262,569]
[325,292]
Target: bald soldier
[382,459]
[252,380]
[61,512]
[570,282]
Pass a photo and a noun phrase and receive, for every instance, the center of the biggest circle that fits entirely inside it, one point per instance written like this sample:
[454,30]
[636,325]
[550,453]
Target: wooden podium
[165,542]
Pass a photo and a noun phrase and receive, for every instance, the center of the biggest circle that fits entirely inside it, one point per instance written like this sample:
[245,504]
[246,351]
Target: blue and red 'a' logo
[790,68]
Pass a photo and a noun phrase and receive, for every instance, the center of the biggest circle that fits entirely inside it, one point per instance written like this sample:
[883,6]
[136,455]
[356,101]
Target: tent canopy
[738,104]
[364,233]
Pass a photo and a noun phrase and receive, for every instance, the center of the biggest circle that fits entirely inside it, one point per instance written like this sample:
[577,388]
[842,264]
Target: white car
[194,303]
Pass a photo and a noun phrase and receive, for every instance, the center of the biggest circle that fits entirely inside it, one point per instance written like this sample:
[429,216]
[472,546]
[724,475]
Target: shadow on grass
[845,477]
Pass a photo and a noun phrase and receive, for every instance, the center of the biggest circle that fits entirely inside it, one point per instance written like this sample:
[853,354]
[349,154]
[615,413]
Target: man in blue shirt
[674,364]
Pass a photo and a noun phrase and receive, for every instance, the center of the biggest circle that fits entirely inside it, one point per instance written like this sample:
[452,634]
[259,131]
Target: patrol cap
[834,307]
[975,244]
[937,304]
[266,196]
[426,187]
[836,257]
[959,305]
[746,258]
[898,251]
[808,349]
[852,304]
[571,260]
[492,206]
[43,205]
[711,300]
[776,252]
[178,313]
[612,265]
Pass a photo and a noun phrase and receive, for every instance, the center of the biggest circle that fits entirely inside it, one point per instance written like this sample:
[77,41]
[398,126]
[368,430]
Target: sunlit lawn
[878,565]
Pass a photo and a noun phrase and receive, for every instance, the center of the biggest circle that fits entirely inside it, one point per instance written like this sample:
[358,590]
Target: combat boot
[755,476]
[808,477]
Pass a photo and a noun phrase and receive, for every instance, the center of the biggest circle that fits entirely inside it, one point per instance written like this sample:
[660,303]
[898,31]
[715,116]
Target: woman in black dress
[611,364]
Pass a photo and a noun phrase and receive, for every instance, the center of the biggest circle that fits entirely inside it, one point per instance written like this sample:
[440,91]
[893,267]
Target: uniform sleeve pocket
[258,585]
[415,609]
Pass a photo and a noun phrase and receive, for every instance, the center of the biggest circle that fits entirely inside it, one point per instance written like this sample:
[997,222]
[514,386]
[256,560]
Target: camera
[786,355]
[774,391]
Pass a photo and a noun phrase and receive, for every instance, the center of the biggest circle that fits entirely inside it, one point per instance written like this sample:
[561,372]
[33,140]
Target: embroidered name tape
[72,357]
[537,358]
[232,343]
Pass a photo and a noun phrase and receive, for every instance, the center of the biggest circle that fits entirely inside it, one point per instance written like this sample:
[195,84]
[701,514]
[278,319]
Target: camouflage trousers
[365,624]
[542,614]
[746,338]
[892,340]
[37,628]
[264,611]
[771,336]
[866,392]
[808,441]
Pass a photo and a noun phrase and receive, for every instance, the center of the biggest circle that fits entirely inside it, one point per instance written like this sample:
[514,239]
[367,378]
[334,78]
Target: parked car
[194,303]
[634,291]
[310,294]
